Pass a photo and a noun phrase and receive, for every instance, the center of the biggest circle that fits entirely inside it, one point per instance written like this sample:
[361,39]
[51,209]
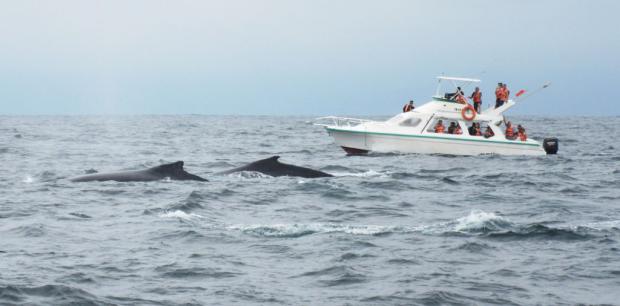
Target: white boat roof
[458,79]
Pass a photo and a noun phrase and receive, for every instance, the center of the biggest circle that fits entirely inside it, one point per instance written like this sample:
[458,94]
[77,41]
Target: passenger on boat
[521,133]
[451,127]
[458,130]
[510,133]
[408,107]
[472,129]
[488,133]
[453,96]
[499,93]
[476,96]
[460,98]
[439,128]
[506,93]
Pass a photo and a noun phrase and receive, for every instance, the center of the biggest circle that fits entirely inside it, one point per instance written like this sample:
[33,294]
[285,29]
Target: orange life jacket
[498,93]
[510,132]
[522,136]
[477,96]
[439,128]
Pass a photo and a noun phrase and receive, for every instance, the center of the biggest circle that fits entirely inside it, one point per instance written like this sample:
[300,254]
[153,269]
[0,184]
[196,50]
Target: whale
[173,171]
[273,167]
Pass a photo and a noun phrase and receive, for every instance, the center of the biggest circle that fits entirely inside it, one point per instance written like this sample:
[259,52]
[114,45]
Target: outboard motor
[551,145]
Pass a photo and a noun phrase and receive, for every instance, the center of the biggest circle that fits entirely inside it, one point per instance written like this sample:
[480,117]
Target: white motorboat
[414,131]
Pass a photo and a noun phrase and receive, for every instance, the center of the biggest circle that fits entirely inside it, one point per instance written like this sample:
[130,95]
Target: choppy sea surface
[388,229]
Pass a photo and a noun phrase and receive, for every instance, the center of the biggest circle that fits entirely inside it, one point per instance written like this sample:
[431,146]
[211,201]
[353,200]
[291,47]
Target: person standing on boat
[506,93]
[499,94]
[408,107]
[476,96]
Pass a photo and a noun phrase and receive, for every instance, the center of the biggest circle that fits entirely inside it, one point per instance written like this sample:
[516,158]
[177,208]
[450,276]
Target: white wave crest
[180,215]
[478,220]
[28,179]
[250,175]
[369,173]
[603,225]
[297,230]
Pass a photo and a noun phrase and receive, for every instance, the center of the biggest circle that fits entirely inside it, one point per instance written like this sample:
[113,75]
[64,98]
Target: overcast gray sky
[314,57]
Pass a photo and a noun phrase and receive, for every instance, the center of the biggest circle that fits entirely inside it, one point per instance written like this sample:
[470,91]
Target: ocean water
[388,229]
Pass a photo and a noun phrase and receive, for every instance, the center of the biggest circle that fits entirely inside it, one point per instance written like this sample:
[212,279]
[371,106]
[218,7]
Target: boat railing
[339,121]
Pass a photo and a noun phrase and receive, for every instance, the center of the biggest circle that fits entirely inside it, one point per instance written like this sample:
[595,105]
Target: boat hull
[354,140]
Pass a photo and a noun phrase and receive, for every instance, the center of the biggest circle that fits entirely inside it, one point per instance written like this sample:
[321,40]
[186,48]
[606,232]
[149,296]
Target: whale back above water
[271,166]
[174,171]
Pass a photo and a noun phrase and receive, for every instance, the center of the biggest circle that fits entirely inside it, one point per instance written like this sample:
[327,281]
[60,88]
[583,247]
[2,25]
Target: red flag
[522,91]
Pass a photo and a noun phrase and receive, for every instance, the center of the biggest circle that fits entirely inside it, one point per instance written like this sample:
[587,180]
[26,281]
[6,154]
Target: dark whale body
[174,171]
[271,166]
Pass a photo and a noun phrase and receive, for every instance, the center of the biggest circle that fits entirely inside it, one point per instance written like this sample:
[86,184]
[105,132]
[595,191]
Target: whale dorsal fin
[267,161]
[171,168]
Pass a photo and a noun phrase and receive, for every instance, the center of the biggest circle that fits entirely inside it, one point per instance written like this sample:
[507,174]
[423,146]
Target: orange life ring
[464,112]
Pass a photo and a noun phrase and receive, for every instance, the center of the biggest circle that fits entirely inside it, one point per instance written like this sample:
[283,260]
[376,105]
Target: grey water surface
[388,229]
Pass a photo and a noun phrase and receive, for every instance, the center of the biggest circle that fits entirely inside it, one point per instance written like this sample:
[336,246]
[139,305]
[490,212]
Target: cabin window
[411,122]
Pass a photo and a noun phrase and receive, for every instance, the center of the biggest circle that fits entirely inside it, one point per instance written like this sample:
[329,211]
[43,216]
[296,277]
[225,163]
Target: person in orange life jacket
[521,133]
[408,107]
[439,128]
[451,127]
[506,93]
[488,132]
[510,133]
[498,95]
[476,96]
[457,129]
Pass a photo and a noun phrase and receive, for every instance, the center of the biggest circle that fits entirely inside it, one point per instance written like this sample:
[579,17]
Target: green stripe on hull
[435,137]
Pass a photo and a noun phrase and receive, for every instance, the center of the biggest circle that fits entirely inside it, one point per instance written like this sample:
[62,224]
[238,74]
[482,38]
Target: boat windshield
[449,93]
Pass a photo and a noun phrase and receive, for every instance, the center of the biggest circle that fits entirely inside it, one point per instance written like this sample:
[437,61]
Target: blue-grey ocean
[388,229]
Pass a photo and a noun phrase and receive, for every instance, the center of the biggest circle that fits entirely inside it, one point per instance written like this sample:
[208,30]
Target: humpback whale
[174,171]
[271,166]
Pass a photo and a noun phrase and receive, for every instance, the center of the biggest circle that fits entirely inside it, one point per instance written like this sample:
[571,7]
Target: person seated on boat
[453,96]
[408,107]
[477,130]
[473,128]
[457,130]
[521,133]
[510,133]
[451,127]
[476,96]
[439,128]
[460,98]
[488,133]
[499,94]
